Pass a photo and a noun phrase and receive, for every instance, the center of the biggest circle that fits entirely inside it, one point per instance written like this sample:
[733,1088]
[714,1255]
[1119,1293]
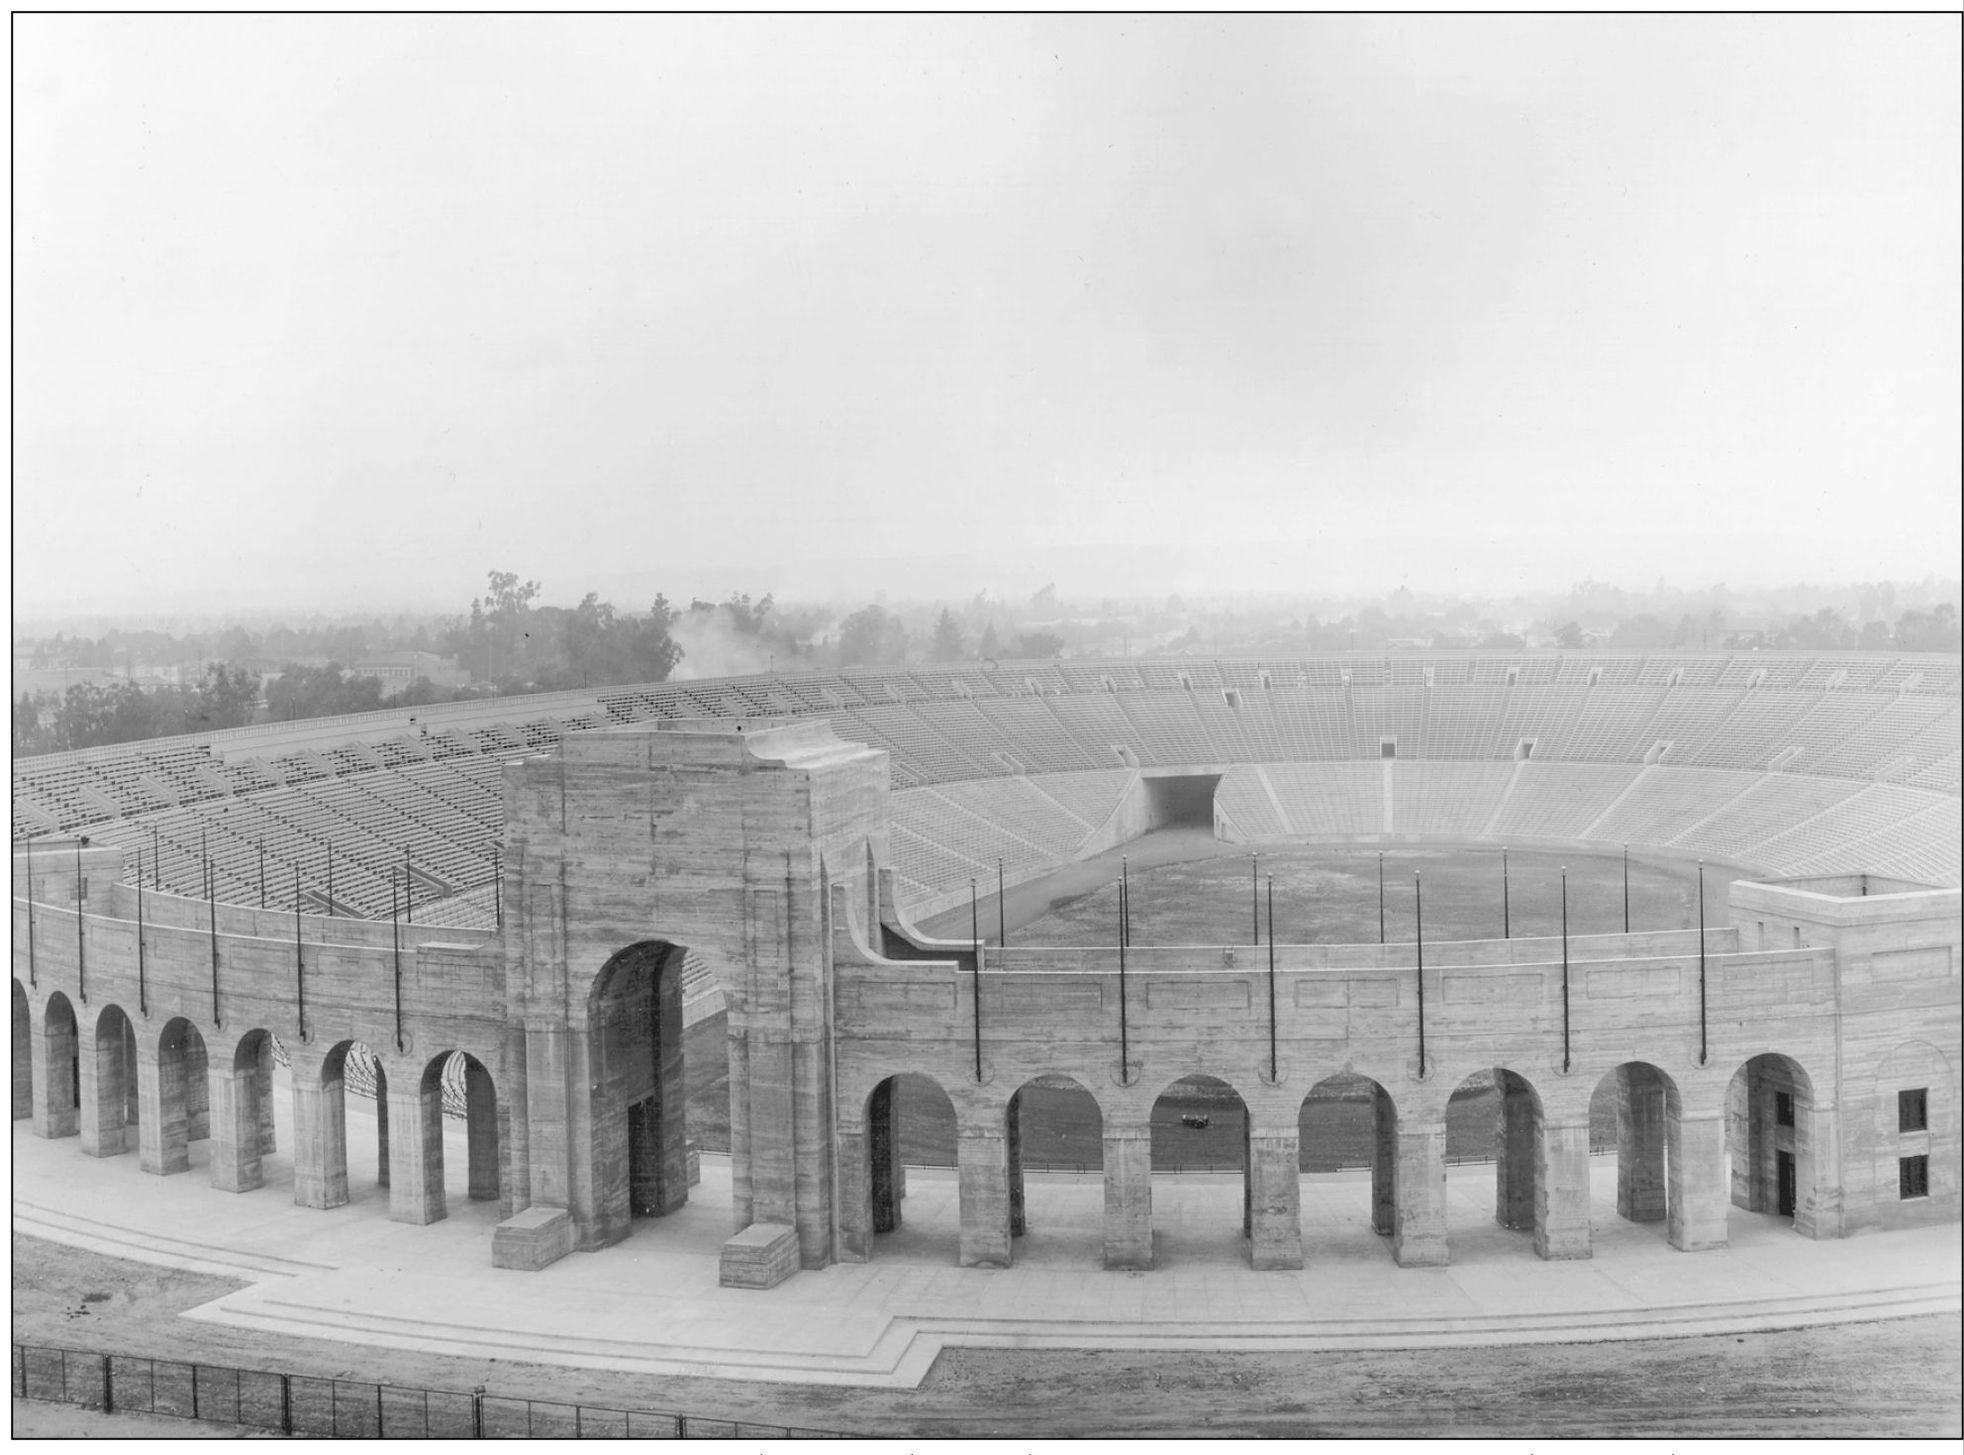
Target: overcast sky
[344,312]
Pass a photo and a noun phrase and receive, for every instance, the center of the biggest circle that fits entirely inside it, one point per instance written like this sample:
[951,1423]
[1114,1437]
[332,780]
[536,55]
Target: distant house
[397,670]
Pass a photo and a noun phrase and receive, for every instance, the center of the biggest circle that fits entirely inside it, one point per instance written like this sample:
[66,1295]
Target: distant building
[397,670]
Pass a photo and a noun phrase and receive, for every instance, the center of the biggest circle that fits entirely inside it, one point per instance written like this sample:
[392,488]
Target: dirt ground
[1898,1378]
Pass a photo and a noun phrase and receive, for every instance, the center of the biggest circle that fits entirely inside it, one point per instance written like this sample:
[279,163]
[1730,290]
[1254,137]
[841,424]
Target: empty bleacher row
[1470,736]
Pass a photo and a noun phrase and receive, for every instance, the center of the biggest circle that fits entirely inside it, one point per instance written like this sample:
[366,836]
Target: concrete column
[197,1104]
[886,1184]
[23,1058]
[1275,1235]
[416,1156]
[1384,1164]
[103,1115]
[320,1139]
[855,1197]
[1418,1240]
[1698,1190]
[235,1165]
[54,1060]
[381,1127]
[1818,1210]
[262,1090]
[514,1130]
[982,1164]
[1128,1197]
[1640,1118]
[481,1135]
[1516,1157]
[163,1141]
[1013,1127]
[1561,1213]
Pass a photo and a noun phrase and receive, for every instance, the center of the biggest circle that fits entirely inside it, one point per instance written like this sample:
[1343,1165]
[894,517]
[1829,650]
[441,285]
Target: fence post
[108,1387]
[286,1404]
[477,1413]
[194,1390]
[378,1413]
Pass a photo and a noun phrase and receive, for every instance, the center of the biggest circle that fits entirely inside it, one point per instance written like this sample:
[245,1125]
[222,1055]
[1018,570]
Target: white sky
[344,312]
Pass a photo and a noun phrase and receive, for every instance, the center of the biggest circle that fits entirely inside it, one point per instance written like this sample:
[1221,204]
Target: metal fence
[307,1405]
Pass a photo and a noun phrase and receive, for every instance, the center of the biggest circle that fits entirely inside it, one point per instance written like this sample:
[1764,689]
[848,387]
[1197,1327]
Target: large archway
[183,1112]
[1056,1129]
[242,1115]
[1348,1129]
[638,1113]
[1200,1131]
[57,1070]
[326,1174]
[1637,1107]
[1769,1141]
[23,1050]
[909,1119]
[108,1111]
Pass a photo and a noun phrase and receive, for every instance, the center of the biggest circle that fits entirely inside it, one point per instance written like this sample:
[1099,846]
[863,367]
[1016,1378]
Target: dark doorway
[1789,1184]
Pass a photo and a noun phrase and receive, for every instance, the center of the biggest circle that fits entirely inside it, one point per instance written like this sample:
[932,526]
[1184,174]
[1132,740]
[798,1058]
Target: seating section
[1775,760]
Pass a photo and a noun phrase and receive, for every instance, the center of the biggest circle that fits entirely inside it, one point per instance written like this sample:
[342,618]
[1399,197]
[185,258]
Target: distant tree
[1875,636]
[1641,633]
[1039,644]
[1046,599]
[226,697]
[1928,631]
[872,637]
[1569,636]
[947,645]
[989,647]
[304,692]
[1503,640]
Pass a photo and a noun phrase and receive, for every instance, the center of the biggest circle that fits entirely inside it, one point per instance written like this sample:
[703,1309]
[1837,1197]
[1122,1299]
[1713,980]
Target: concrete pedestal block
[1700,1194]
[1418,1240]
[532,1239]
[235,1163]
[1128,1201]
[1516,1156]
[1561,1215]
[162,1146]
[763,1255]
[320,1144]
[983,1167]
[416,1158]
[1384,1164]
[1275,1237]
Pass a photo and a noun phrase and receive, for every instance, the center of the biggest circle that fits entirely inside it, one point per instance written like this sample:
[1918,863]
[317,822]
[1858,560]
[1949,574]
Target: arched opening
[1056,1130]
[1497,1166]
[1348,1130]
[1769,1130]
[1636,1107]
[910,1120]
[326,1173]
[242,1115]
[183,1111]
[57,1071]
[639,1112]
[470,1096]
[23,1055]
[108,1110]
[1199,1157]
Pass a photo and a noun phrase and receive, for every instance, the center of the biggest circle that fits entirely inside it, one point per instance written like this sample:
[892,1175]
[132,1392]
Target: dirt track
[1896,1379]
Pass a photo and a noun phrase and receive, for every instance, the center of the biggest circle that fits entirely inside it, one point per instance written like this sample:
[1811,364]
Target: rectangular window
[1387,750]
[1915,1176]
[1913,1110]
[1783,1109]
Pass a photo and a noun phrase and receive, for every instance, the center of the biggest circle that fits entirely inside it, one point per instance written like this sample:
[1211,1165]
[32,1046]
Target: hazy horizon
[321,314]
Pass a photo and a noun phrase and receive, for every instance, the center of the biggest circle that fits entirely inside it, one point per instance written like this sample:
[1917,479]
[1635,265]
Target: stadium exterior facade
[1799,1058]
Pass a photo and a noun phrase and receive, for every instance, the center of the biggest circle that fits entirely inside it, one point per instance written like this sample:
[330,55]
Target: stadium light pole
[975,979]
[1506,918]
[330,877]
[262,873]
[1002,910]
[408,890]
[1703,1046]
[211,910]
[1255,895]
[299,961]
[1565,1042]
[1124,1041]
[81,940]
[1626,889]
[1418,923]
[156,858]
[1271,978]
[32,979]
[1380,898]
[142,985]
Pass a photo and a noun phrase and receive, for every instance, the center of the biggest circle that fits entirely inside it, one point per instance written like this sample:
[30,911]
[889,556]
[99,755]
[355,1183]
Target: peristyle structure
[1797,1056]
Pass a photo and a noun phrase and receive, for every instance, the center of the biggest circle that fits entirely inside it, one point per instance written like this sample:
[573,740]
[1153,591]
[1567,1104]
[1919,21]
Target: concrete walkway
[652,1303]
